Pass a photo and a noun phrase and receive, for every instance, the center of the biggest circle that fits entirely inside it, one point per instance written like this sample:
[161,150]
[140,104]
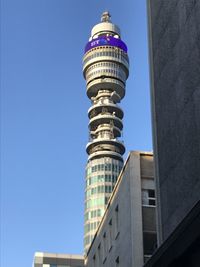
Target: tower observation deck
[105,69]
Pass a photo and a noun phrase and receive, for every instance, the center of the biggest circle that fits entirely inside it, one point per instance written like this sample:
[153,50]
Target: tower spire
[105,17]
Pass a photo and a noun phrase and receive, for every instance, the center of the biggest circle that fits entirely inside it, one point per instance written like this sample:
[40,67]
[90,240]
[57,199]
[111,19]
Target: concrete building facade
[42,259]
[105,68]
[126,235]
[174,37]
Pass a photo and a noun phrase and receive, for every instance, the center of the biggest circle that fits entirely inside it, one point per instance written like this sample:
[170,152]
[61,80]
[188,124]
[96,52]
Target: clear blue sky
[44,118]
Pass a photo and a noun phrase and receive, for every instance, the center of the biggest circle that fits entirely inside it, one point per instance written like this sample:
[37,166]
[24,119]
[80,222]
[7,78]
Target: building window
[150,243]
[105,200]
[104,249]
[117,262]
[95,264]
[148,197]
[110,235]
[109,167]
[116,222]
[151,193]
[99,254]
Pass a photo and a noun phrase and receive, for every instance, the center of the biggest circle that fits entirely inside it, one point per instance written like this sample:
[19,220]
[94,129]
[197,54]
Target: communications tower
[105,69]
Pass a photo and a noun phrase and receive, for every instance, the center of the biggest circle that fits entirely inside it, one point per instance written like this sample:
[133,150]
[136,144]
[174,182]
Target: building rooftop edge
[57,255]
[141,152]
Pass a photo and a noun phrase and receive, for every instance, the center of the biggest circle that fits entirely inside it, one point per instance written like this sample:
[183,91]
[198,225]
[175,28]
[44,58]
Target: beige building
[42,259]
[126,235]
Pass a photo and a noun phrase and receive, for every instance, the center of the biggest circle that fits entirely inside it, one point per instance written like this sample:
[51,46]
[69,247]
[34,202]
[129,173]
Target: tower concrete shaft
[105,68]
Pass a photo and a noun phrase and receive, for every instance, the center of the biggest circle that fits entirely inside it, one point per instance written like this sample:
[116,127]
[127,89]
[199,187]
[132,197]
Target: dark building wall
[174,34]
[182,247]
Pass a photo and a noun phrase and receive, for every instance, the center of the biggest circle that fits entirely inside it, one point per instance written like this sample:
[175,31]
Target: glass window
[117,262]
[106,177]
[104,247]
[148,197]
[150,243]
[88,171]
[86,216]
[106,189]
[102,189]
[116,221]
[152,202]
[113,178]
[109,167]
[151,193]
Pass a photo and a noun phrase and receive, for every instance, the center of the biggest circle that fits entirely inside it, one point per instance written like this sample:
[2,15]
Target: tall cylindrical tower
[105,68]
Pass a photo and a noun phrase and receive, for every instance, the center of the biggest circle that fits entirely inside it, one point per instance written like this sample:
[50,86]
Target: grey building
[105,69]
[126,235]
[42,259]
[174,38]
[174,35]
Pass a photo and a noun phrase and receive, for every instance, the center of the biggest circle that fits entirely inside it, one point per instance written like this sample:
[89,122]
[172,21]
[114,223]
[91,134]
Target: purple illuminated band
[106,40]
